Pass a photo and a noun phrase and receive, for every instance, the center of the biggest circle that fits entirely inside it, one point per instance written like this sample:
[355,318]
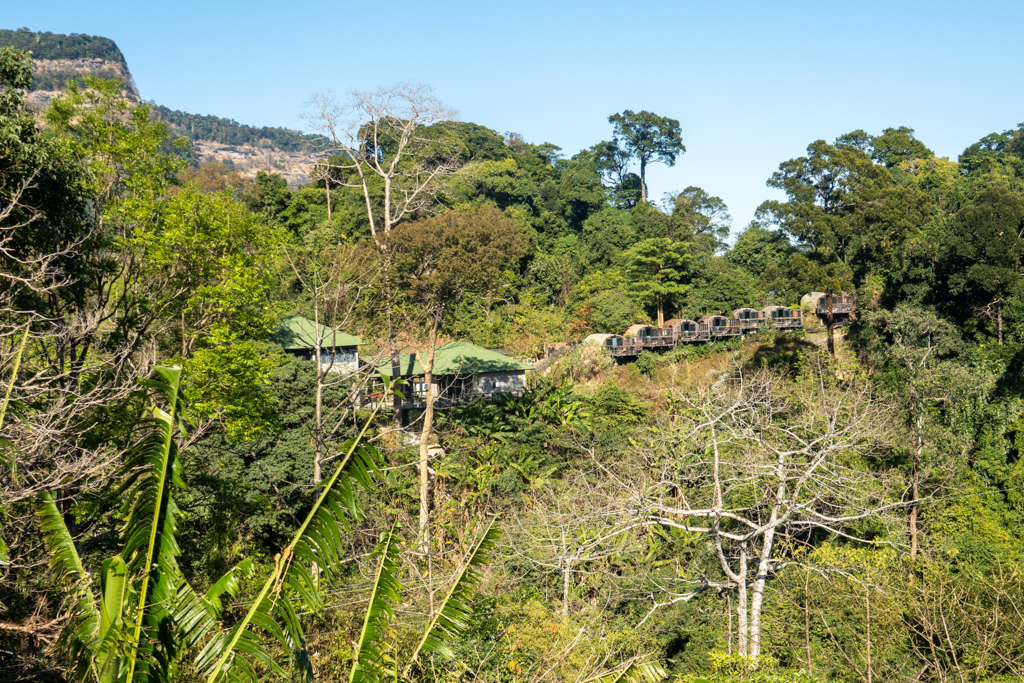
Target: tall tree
[757,248]
[896,145]
[919,346]
[394,144]
[656,269]
[822,192]
[440,262]
[984,248]
[755,465]
[647,138]
[699,217]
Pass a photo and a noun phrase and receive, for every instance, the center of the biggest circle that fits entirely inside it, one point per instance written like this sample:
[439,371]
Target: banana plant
[148,616]
[370,664]
[641,671]
[450,619]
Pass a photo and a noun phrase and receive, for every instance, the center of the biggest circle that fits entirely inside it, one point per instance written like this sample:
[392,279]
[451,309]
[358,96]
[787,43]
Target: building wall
[344,367]
[452,390]
[489,383]
[346,358]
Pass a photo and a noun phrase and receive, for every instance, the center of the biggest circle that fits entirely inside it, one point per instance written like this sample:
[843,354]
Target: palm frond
[83,636]
[452,616]
[368,664]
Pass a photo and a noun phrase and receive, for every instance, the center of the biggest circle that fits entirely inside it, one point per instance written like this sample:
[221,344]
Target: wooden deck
[842,304]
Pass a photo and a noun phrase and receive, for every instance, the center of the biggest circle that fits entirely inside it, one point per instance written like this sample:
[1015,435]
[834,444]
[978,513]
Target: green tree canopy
[984,248]
[656,269]
[647,138]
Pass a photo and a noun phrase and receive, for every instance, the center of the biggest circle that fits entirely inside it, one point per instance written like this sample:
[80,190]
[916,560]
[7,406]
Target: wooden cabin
[615,344]
[750,318]
[721,326]
[300,337]
[784,318]
[650,336]
[842,304]
[463,372]
[688,330]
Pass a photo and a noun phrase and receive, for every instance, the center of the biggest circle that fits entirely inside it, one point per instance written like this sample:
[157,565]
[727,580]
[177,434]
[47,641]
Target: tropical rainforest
[184,500]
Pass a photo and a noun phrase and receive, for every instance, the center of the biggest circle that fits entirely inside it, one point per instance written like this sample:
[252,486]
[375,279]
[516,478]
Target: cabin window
[342,356]
[459,387]
[419,390]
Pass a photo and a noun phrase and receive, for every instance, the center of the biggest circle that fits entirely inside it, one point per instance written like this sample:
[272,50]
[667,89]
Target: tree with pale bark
[753,468]
[393,144]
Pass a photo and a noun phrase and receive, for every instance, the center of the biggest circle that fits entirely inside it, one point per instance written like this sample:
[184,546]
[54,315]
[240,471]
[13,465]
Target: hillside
[62,58]
[246,149]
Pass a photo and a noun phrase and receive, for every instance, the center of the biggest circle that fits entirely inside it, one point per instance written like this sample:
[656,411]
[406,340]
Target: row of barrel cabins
[715,327]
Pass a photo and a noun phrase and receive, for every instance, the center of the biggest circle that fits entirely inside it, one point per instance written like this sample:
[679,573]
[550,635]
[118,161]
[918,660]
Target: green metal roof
[297,332]
[456,358]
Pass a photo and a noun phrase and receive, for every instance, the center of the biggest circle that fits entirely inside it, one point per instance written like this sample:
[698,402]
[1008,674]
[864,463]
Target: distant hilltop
[62,58]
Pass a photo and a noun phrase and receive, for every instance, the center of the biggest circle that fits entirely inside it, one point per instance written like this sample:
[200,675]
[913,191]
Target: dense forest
[184,500]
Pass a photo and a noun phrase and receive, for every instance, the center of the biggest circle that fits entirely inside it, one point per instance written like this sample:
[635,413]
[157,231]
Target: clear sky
[752,83]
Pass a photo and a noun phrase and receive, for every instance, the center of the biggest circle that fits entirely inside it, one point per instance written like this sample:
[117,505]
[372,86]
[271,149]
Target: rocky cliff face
[52,74]
[250,159]
[61,58]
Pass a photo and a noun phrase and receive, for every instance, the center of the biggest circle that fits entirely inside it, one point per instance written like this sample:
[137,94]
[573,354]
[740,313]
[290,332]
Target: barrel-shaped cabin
[842,304]
[750,318]
[688,330]
[721,326]
[650,336]
[784,318]
[615,344]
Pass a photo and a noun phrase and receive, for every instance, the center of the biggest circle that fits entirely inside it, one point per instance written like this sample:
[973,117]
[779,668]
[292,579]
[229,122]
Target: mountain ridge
[62,58]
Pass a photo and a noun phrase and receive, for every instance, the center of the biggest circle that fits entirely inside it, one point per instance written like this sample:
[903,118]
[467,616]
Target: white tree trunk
[426,433]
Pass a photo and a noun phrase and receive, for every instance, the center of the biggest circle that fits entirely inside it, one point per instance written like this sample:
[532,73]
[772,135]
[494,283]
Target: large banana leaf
[83,636]
[368,666]
[148,613]
[634,672]
[149,545]
[132,634]
[451,618]
[5,443]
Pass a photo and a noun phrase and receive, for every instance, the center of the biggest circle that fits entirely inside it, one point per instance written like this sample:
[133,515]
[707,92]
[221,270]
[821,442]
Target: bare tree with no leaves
[397,146]
[755,465]
[398,152]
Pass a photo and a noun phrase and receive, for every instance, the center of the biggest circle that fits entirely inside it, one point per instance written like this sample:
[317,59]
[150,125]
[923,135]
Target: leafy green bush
[732,668]
[613,402]
[646,361]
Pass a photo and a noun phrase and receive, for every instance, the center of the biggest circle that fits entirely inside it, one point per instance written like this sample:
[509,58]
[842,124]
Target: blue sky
[752,83]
